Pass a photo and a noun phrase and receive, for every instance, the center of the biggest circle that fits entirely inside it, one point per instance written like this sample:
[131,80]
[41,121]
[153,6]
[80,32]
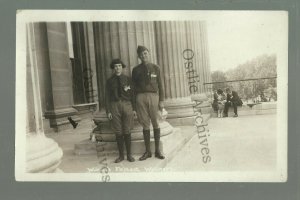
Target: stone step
[170,145]
[87,147]
[259,109]
[171,148]
[257,112]
[191,120]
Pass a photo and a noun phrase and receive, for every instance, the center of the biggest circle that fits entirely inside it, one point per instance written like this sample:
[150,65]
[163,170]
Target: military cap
[140,49]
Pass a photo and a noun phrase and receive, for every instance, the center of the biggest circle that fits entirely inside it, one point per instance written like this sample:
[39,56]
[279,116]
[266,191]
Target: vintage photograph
[149,96]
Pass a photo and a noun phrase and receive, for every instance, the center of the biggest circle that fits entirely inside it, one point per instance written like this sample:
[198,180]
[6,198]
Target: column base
[103,130]
[184,121]
[203,103]
[59,118]
[43,155]
[180,111]
[85,110]
[168,144]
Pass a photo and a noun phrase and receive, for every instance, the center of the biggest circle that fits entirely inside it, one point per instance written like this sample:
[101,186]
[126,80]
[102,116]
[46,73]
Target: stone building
[68,65]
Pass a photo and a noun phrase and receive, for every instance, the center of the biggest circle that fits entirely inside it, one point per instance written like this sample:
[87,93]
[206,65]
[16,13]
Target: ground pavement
[243,143]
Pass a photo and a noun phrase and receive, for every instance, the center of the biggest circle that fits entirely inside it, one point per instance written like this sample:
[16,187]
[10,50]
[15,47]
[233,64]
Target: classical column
[120,40]
[197,42]
[171,43]
[60,105]
[42,154]
[182,54]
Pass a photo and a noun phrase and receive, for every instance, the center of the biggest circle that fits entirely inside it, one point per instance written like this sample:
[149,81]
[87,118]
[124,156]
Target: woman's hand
[161,105]
[134,115]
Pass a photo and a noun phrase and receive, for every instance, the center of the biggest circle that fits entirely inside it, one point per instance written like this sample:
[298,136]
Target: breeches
[147,108]
[228,104]
[122,117]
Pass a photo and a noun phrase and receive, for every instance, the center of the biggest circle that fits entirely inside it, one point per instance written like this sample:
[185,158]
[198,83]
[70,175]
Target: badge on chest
[153,75]
[126,88]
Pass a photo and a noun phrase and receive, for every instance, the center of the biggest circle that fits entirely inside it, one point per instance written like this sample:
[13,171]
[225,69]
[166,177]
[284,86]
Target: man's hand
[161,105]
[134,115]
[109,116]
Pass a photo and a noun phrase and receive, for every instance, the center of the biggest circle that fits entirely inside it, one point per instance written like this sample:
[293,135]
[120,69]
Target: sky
[235,38]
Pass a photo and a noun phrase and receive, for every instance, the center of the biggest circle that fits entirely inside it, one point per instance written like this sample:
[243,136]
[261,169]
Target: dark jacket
[147,78]
[215,102]
[119,88]
[234,98]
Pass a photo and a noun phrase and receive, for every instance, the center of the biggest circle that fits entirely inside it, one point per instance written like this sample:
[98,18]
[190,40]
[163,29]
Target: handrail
[249,79]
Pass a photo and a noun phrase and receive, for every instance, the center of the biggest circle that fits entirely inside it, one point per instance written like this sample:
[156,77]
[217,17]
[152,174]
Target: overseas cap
[140,49]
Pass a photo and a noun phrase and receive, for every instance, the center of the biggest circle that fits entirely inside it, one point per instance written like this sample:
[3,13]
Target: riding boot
[158,154]
[120,143]
[127,138]
[147,154]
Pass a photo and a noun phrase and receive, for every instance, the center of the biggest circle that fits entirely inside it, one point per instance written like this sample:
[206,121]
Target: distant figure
[232,100]
[263,97]
[258,99]
[215,105]
[221,102]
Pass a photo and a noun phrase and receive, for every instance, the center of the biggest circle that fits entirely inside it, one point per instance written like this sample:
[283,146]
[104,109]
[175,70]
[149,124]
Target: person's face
[144,56]
[118,69]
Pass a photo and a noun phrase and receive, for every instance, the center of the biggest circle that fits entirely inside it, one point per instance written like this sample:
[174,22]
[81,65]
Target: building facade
[70,62]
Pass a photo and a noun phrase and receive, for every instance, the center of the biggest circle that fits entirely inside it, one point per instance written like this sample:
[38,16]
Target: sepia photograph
[151,96]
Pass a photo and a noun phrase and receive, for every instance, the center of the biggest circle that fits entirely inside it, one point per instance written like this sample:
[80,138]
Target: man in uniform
[149,98]
[119,107]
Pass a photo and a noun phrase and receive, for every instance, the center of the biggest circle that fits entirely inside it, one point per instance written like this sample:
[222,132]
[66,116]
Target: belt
[121,100]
